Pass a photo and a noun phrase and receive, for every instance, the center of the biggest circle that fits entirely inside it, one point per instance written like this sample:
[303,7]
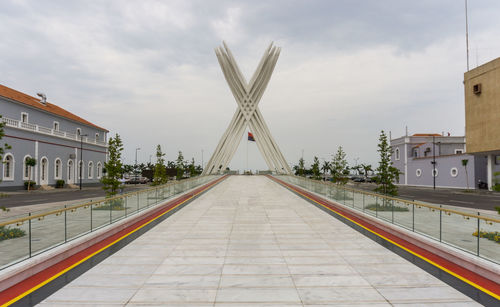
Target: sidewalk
[249,241]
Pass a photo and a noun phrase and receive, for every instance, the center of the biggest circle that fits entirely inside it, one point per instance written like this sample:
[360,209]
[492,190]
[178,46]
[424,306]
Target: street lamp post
[433,162]
[81,158]
[135,166]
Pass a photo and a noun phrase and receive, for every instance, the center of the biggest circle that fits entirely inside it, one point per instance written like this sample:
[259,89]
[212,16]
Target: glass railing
[473,232]
[25,236]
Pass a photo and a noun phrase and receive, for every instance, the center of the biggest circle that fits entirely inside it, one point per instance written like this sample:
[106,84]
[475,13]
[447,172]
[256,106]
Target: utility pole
[135,165]
[202,167]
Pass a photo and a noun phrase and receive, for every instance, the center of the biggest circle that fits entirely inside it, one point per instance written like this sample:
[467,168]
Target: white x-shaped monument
[247,96]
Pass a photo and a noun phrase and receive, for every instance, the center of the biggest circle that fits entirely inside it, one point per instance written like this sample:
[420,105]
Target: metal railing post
[478,232]
[65,225]
[91,218]
[29,234]
[440,223]
[376,206]
[363,202]
[392,217]
[413,218]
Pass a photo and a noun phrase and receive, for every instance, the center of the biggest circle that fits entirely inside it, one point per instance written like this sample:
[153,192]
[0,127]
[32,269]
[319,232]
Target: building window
[27,172]
[56,126]
[99,170]
[57,168]
[24,117]
[97,136]
[454,172]
[8,167]
[415,153]
[91,170]
[459,151]
[418,172]
[476,88]
[78,132]
[80,169]
[396,153]
[435,173]
[497,160]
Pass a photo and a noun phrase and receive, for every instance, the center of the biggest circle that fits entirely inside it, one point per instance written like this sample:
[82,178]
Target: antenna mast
[467,34]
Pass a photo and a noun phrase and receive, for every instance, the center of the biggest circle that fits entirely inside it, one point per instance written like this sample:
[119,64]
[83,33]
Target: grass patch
[379,207]
[491,235]
[2,195]
[7,233]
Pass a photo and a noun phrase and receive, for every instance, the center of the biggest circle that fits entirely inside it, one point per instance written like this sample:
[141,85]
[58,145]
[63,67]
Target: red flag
[250,137]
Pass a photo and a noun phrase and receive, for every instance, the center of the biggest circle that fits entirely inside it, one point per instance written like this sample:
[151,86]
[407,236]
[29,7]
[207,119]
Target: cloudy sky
[348,69]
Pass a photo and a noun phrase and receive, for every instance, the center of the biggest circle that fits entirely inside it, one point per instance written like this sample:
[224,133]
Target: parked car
[138,179]
[359,179]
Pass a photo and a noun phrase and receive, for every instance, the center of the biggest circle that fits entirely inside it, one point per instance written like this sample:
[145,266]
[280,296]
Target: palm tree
[325,167]
[366,168]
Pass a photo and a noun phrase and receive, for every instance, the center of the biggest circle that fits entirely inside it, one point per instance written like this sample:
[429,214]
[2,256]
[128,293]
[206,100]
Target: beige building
[482,115]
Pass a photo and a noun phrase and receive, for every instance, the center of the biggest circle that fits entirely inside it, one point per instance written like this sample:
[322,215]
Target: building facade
[414,157]
[35,128]
[482,116]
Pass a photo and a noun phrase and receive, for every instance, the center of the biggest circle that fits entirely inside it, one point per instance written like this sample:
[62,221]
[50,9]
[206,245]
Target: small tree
[387,173]
[192,169]
[30,163]
[340,167]
[114,167]
[301,166]
[160,173]
[180,166]
[464,164]
[315,168]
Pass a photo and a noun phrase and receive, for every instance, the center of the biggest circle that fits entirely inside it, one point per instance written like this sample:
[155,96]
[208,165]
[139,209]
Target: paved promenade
[248,241]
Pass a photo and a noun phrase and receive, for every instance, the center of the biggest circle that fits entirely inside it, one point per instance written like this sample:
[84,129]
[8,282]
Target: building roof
[427,134]
[48,107]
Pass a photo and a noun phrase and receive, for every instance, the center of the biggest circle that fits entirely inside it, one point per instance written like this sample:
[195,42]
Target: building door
[44,171]
[70,172]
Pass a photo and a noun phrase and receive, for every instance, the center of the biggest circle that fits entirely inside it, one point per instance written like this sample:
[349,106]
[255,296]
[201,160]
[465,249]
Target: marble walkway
[249,241]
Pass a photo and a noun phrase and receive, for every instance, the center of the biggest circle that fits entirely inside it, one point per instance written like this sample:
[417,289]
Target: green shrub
[60,183]
[498,209]
[496,187]
[492,235]
[10,233]
[29,183]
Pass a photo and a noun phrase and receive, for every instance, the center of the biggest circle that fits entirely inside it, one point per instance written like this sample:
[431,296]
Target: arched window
[27,171]
[396,153]
[99,170]
[8,167]
[44,170]
[91,170]
[57,168]
[78,132]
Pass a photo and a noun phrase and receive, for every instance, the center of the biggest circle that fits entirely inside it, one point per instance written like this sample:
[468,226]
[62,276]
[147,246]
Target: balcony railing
[472,232]
[9,122]
[40,231]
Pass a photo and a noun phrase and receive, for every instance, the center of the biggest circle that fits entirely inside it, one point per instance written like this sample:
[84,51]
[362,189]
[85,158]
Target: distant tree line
[338,168]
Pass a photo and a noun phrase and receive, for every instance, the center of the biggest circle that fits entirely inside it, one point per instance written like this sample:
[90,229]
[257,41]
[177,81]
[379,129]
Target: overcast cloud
[348,69]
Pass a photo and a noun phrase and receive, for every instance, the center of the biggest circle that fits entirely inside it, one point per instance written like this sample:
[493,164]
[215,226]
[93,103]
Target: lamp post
[433,162]
[81,158]
[135,166]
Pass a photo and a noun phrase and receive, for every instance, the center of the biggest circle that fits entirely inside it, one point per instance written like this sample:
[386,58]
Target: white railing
[9,122]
